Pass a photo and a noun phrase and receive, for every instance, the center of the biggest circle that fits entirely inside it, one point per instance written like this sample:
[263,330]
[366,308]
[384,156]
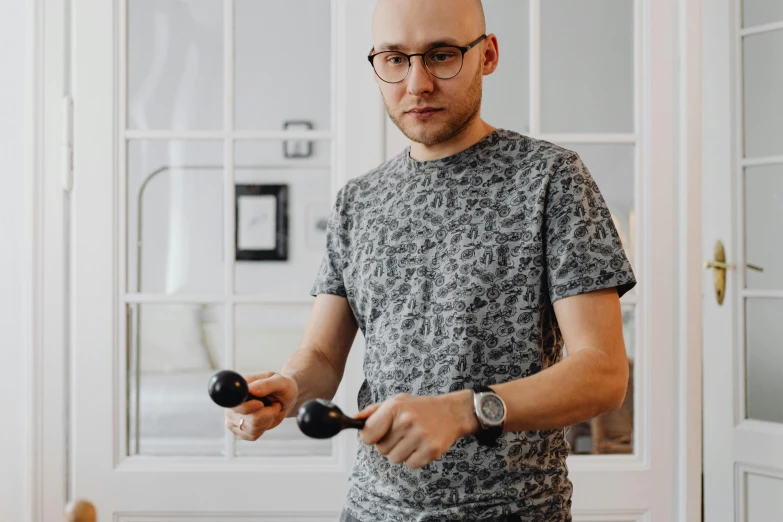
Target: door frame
[47,390]
[689,435]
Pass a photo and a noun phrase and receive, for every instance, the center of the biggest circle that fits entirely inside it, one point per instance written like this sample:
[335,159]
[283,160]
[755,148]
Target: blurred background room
[169,169]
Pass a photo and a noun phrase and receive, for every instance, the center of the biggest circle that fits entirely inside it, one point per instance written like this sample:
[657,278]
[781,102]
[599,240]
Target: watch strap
[487,436]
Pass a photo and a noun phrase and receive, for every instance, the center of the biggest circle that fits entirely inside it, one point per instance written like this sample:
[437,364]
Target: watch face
[492,408]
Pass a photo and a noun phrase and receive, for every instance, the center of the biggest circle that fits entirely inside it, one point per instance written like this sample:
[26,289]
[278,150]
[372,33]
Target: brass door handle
[728,266]
[719,266]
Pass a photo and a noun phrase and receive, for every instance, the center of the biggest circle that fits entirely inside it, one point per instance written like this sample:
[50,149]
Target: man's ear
[490,68]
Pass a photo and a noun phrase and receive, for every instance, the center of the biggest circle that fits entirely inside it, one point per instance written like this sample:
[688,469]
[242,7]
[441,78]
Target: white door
[182,111]
[597,77]
[743,211]
[178,103]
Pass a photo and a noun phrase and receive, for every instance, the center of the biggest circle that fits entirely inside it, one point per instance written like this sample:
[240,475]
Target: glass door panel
[760,12]
[265,337]
[612,167]
[763,361]
[175,217]
[762,175]
[506,92]
[763,223]
[175,64]
[587,54]
[174,349]
[763,83]
[282,203]
[283,64]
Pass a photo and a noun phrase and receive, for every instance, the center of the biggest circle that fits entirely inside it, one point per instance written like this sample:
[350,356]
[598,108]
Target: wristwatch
[491,413]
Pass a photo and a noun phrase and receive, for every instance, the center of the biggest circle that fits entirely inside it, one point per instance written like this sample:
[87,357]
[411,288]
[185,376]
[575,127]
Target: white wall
[13,50]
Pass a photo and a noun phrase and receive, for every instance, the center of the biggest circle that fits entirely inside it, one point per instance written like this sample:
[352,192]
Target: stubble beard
[460,116]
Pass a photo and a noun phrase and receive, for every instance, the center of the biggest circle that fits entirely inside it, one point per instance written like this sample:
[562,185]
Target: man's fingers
[236,431]
[422,456]
[253,426]
[248,407]
[386,444]
[377,425]
[267,416]
[403,449]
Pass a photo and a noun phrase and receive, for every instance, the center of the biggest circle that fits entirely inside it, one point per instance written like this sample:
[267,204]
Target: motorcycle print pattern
[450,268]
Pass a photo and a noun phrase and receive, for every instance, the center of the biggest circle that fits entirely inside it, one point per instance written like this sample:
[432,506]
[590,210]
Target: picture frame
[261,214]
[297,148]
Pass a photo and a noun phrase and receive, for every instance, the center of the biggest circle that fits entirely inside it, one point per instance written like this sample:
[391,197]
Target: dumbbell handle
[266,400]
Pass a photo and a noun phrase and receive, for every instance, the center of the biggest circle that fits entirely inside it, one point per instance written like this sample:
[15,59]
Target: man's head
[415,26]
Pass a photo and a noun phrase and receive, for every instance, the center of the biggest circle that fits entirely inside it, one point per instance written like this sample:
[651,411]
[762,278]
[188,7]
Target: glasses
[443,62]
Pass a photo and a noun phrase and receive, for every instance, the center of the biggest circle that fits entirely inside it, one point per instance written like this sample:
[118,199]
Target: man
[468,261]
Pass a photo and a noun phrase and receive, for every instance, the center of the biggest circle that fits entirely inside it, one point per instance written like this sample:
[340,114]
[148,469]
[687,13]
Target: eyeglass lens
[442,62]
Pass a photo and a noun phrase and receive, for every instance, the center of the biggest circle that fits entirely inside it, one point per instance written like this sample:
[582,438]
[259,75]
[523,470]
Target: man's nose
[419,78]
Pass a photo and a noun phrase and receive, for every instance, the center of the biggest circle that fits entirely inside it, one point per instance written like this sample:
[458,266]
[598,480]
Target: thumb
[369,410]
[252,377]
[270,383]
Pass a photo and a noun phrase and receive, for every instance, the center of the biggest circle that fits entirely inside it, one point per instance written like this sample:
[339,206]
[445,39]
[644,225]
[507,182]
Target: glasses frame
[463,49]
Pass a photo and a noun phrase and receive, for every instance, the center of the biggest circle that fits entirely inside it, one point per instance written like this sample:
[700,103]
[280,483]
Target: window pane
[611,432]
[308,202]
[762,88]
[587,66]
[283,63]
[176,359]
[760,12]
[505,102]
[763,223]
[764,365]
[175,216]
[175,64]
[612,168]
[265,337]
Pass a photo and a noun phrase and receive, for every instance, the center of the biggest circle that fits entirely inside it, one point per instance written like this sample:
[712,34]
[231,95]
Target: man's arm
[319,364]
[591,380]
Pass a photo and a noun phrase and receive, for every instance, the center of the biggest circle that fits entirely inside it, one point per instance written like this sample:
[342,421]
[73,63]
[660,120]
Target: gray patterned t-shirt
[451,267]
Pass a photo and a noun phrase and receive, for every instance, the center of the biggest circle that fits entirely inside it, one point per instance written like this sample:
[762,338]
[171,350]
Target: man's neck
[471,135]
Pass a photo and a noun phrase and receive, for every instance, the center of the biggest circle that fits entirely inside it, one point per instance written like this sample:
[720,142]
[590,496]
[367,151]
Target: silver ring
[241,421]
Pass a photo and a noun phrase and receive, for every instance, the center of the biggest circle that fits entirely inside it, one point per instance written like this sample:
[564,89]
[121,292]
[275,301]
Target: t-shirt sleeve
[329,278]
[583,248]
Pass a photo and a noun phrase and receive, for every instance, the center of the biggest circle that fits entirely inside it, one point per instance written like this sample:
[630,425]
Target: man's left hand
[416,429]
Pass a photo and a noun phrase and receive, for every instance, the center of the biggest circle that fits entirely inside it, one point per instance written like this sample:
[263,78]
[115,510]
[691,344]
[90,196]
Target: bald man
[468,261]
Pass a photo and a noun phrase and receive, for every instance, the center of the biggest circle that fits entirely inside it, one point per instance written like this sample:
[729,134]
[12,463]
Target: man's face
[412,26]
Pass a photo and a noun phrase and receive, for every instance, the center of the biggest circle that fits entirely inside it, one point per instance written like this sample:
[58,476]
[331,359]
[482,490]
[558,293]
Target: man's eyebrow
[428,45]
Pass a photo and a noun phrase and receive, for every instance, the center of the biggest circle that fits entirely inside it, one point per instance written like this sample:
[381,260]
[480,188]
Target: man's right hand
[251,419]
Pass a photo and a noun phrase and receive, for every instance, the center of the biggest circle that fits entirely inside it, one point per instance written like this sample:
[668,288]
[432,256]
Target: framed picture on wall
[261,222]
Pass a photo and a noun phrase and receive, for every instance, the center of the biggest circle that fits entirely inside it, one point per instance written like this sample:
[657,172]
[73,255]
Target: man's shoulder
[372,176]
[368,183]
[513,147]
